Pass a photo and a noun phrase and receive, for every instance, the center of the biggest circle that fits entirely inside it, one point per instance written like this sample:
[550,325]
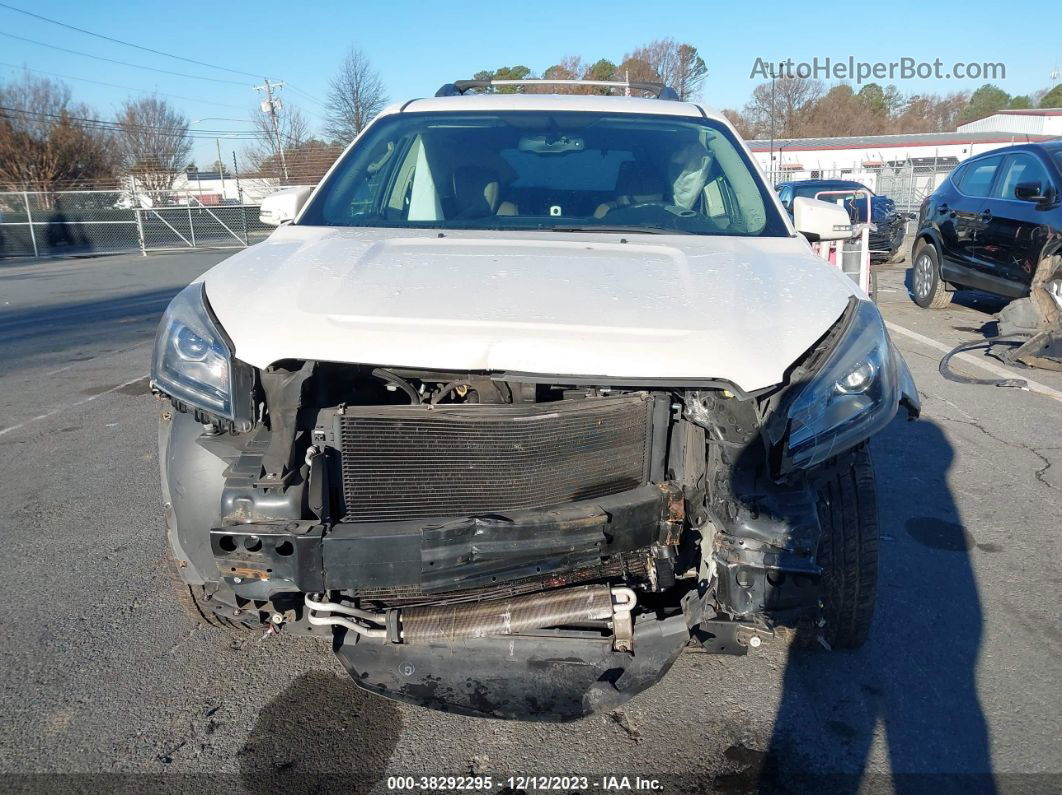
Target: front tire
[927,288]
[193,600]
[847,554]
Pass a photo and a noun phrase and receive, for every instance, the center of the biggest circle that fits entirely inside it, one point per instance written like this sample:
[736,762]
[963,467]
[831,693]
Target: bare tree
[931,113]
[356,95]
[741,124]
[291,133]
[780,107]
[840,111]
[154,141]
[636,70]
[569,68]
[667,61]
[688,72]
[47,143]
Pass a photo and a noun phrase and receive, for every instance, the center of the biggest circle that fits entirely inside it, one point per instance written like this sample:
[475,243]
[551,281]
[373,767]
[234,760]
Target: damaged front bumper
[457,614]
[547,675]
[447,547]
[260,559]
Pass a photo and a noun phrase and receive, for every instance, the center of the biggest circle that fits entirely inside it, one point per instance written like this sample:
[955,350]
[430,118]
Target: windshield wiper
[644,230]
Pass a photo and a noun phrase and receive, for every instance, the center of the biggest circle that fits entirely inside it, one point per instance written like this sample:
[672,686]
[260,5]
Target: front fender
[192,482]
[909,397]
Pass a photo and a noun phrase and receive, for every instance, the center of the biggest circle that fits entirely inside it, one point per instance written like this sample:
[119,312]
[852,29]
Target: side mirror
[1031,192]
[818,220]
[282,207]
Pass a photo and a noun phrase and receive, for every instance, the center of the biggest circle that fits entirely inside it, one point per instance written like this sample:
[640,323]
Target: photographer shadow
[904,709]
[321,735]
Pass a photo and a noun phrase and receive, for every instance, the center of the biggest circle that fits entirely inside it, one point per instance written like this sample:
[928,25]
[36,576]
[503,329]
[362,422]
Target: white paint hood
[653,307]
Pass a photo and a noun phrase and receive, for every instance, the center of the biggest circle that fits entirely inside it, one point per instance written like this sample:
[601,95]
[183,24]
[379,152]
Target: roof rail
[459,87]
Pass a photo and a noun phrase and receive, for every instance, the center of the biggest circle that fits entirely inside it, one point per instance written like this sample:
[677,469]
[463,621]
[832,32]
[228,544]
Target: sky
[417,46]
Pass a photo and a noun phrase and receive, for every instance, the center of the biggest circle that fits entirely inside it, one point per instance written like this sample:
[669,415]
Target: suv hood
[674,307]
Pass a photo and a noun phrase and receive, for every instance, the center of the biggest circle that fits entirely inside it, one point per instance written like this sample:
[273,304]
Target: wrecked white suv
[532,391]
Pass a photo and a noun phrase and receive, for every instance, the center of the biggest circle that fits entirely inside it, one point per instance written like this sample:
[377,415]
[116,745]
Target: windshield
[561,171]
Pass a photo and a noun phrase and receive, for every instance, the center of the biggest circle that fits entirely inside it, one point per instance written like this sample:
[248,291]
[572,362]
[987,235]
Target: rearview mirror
[551,144]
[282,207]
[818,220]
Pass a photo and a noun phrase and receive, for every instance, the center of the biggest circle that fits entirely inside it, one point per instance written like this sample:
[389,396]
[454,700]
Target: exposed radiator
[409,462]
[630,566]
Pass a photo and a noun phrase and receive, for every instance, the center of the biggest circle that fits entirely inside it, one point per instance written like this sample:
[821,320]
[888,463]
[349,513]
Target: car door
[1017,228]
[964,260]
[938,211]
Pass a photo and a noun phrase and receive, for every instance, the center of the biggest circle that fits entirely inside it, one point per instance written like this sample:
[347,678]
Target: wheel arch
[932,237]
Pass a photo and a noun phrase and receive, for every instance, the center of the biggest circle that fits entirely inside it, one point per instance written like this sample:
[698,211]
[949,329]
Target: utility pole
[770,158]
[236,172]
[221,169]
[270,106]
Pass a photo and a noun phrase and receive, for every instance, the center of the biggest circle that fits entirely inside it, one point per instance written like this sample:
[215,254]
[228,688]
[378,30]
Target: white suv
[531,391]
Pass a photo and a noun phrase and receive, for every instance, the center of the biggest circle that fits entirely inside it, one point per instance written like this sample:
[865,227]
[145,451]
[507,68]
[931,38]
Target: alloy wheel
[923,276]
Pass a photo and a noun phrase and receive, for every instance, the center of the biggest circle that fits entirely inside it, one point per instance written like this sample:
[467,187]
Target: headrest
[475,191]
[636,179]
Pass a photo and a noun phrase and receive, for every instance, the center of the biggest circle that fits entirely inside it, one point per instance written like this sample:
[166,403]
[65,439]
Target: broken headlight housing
[194,365]
[853,394]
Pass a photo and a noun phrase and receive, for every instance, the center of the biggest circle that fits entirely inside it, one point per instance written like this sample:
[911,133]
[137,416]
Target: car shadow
[905,705]
[78,325]
[976,300]
[322,734]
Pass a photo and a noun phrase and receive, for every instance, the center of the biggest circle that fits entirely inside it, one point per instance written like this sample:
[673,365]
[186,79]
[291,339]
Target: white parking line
[995,369]
[69,406]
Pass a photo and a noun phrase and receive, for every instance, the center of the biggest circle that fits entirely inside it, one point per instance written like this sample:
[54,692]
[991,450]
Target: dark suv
[989,224]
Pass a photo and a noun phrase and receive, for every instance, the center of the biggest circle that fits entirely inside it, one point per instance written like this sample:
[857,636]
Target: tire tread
[848,556]
[939,296]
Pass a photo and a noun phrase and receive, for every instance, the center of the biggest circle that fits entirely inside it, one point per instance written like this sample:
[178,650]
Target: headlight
[852,396]
[193,361]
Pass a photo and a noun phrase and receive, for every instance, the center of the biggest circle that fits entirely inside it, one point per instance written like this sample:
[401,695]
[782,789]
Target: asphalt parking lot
[104,682]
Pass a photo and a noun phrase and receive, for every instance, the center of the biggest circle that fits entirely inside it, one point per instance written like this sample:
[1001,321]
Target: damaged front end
[505,544]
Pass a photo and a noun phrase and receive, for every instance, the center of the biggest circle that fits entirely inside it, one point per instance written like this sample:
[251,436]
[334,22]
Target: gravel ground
[104,684]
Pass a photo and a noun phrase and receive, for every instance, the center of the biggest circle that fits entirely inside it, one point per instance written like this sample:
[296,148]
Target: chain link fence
[79,223]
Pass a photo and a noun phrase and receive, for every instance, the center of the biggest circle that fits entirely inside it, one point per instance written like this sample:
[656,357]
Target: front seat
[635,184]
[477,191]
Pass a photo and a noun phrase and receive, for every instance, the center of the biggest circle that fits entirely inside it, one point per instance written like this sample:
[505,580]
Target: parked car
[533,389]
[989,224]
[887,233]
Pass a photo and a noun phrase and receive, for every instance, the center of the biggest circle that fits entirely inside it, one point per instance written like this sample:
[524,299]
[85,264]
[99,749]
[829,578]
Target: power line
[115,126]
[301,93]
[127,43]
[123,63]
[127,88]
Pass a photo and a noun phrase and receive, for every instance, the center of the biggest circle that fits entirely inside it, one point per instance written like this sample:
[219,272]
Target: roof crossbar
[459,87]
